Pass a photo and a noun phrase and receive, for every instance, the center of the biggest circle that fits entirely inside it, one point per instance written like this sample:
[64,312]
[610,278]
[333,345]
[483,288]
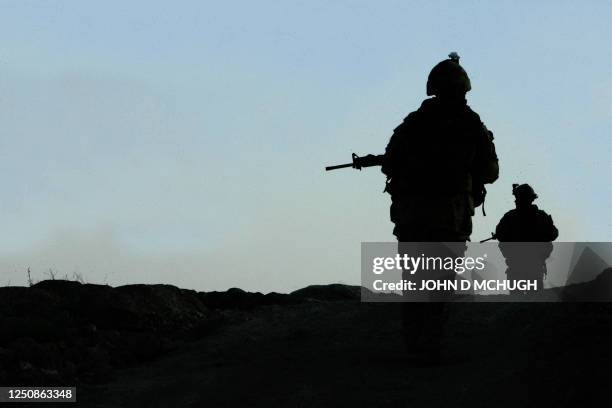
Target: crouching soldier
[532,226]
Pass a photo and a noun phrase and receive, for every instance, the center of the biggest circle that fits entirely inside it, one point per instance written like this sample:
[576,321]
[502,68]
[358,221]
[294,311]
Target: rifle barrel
[340,166]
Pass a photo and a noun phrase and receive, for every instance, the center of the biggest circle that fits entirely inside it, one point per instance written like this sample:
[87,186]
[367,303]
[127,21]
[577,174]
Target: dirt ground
[347,353]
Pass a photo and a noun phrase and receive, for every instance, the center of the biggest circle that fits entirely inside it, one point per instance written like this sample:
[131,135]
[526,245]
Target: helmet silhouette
[448,77]
[523,191]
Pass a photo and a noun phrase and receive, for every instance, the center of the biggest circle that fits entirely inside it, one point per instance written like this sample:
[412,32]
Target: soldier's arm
[553,231]
[392,151]
[485,161]
[501,231]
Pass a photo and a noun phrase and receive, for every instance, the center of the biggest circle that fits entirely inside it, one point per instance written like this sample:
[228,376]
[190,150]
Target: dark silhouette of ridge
[63,331]
[587,266]
[596,290]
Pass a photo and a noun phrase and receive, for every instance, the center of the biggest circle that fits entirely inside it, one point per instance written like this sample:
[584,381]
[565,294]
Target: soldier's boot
[422,330]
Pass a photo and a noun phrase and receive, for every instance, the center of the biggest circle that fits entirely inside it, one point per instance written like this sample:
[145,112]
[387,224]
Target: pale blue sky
[184,142]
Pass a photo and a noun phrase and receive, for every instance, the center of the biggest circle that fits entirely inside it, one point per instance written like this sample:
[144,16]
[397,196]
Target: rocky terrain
[161,346]
[58,331]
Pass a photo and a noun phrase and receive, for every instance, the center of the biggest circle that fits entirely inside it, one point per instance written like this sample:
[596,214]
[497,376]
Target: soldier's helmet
[448,77]
[524,191]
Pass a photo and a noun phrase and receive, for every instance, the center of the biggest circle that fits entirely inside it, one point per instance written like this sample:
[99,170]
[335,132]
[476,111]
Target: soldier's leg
[448,244]
[511,277]
[414,312]
[424,322]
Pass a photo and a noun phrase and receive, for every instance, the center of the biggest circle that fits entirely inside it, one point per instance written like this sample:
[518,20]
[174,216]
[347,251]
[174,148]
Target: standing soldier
[526,223]
[437,163]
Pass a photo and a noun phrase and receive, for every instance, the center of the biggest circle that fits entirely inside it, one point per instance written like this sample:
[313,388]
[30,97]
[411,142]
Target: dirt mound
[332,292]
[58,331]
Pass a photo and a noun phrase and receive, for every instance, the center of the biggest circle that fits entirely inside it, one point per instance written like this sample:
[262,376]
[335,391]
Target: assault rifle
[360,162]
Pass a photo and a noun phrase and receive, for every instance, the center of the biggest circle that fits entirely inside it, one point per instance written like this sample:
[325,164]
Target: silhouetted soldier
[437,162]
[526,223]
